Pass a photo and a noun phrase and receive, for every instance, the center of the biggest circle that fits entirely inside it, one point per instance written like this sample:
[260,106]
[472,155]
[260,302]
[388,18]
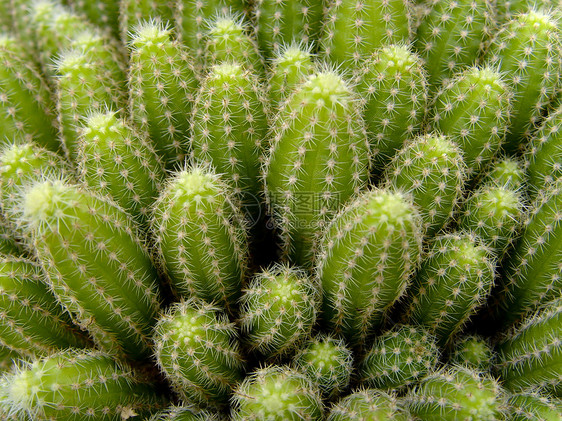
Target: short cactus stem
[457,393]
[115,161]
[532,406]
[318,126]
[197,349]
[528,50]
[505,172]
[96,265]
[32,322]
[184,413]
[104,13]
[278,311]
[453,35]
[473,351]
[276,393]
[455,278]
[162,86]
[431,168]
[366,259]
[368,404]
[26,109]
[508,10]
[355,28]
[278,23]
[474,108]
[77,384]
[201,237]
[530,356]
[328,362]
[399,358]
[393,87]
[132,12]
[290,66]
[229,124]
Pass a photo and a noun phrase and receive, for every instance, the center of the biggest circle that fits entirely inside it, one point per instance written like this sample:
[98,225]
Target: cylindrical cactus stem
[72,384]
[534,274]
[474,108]
[455,278]
[527,50]
[543,156]
[328,362]
[530,356]
[368,404]
[473,351]
[495,214]
[279,23]
[133,12]
[393,87]
[276,393]
[27,111]
[201,237]
[32,322]
[9,244]
[197,349]
[505,172]
[227,41]
[453,35]
[104,13]
[355,28]
[318,128]
[184,413]
[229,125]
[509,9]
[162,86]
[115,161]
[457,393]
[290,66]
[366,259]
[278,310]
[431,168]
[533,406]
[399,358]
[97,266]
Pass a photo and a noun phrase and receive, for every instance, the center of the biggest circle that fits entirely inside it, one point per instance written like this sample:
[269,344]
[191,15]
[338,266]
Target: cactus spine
[132,12]
[505,172]
[201,237]
[473,351]
[368,404]
[367,255]
[533,406]
[184,413]
[196,348]
[318,127]
[97,267]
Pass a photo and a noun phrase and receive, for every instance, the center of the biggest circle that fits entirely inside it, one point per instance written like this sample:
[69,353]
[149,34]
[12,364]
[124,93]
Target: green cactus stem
[104,13]
[9,244]
[509,9]
[533,406]
[368,405]
[184,413]
[473,351]
[133,12]
[505,172]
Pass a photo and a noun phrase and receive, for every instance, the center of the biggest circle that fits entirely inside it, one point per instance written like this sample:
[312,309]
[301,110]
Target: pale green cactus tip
[276,393]
[534,406]
[473,351]
[399,358]
[185,413]
[507,172]
[75,384]
[328,362]
[201,237]
[197,349]
[131,12]
[278,310]
[369,404]
[367,256]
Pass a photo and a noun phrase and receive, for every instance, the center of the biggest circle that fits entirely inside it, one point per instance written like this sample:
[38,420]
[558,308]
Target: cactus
[184,413]
[113,160]
[228,127]
[457,393]
[196,348]
[431,168]
[96,265]
[473,351]
[328,362]
[132,12]
[533,406]
[530,356]
[527,49]
[162,86]
[398,358]
[353,29]
[7,358]
[368,254]
[368,405]
[26,109]
[393,86]
[276,393]
[507,10]
[104,13]
[71,385]
[290,66]
[9,245]
[278,310]
[473,108]
[318,128]
[505,172]
[201,237]
[452,35]
[455,278]
[279,23]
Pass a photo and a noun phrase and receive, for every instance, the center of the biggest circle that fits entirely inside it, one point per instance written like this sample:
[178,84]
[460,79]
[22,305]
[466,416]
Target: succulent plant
[533,406]
[368,405]
[184,413]
[473,351]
